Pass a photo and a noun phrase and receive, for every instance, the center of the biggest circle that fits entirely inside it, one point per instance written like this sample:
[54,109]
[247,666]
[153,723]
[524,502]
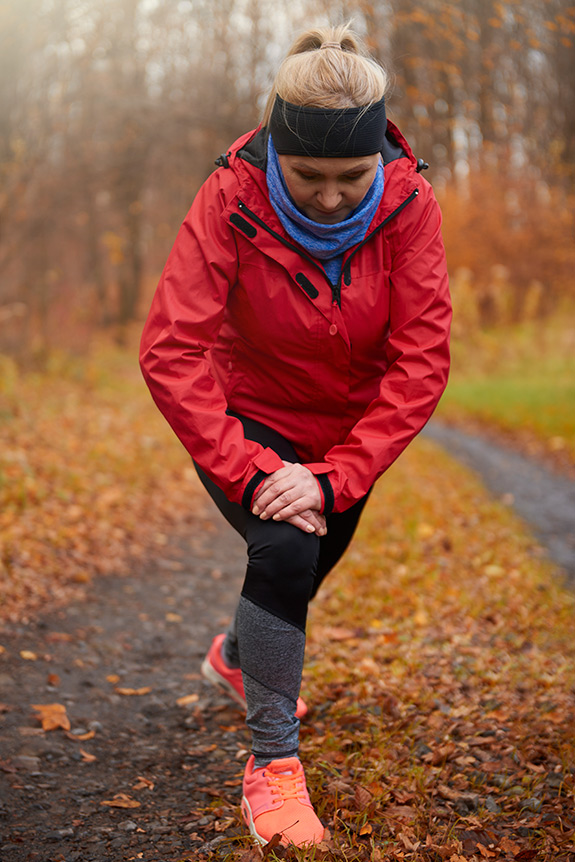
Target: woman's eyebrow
[299,166]
[361,166]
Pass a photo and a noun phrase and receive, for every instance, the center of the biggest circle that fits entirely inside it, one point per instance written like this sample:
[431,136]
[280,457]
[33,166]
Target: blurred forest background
[113,111]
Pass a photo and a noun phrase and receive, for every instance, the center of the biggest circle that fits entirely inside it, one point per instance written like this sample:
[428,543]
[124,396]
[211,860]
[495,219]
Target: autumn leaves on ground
[440,658]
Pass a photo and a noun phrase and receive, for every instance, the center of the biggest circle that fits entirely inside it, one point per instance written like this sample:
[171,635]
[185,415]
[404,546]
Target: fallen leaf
[362,798]
[421,617]
[82,577]
[223,825]
[143,783]
[187,699]
[509,846]
[407,841]
[87,758]
[82,737]
[59,637]
[113,678]
[121,800]
[403,796]
[366,829]
[274,842]
[53,680]
[52,716]
[444,752]
[28,655]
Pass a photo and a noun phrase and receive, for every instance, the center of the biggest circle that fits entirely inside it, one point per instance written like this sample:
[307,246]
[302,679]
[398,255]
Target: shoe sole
[247,813]
[211,674]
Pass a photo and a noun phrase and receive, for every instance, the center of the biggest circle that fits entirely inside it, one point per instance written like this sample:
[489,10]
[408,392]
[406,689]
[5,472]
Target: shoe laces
[287,786]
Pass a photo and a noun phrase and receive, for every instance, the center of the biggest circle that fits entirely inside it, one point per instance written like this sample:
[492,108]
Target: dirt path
[546,501]
[146,631]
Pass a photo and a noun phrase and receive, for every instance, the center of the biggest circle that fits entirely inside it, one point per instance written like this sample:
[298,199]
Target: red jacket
[243,318]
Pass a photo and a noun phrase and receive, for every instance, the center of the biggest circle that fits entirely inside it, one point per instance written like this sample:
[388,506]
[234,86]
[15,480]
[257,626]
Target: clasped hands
[291,494]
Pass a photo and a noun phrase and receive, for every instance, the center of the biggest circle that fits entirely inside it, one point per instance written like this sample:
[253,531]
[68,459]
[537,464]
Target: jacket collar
[247,158]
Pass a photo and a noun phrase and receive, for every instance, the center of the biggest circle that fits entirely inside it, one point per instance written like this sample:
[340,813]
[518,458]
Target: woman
[297,342]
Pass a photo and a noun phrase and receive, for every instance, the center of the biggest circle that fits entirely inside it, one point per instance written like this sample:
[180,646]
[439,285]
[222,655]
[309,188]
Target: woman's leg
[267,637]
[271,616]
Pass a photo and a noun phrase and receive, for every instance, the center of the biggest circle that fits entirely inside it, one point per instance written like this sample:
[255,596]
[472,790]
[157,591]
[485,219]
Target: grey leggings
[267,638]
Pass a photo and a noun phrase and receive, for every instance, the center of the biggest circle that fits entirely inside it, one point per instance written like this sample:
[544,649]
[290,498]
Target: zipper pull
[336,293]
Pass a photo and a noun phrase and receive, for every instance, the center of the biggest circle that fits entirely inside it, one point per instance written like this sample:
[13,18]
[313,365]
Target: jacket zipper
[335,288]
[397,210]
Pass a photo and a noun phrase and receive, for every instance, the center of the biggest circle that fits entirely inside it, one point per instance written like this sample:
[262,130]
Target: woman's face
[328,190]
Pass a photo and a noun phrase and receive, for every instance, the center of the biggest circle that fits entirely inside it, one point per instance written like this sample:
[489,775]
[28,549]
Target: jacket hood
[247,157]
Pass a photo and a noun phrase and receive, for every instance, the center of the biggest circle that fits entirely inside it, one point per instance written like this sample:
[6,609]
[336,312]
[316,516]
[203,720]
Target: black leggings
[285,565]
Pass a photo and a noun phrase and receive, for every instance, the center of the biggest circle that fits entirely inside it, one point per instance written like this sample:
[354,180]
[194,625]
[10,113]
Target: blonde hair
[328,67]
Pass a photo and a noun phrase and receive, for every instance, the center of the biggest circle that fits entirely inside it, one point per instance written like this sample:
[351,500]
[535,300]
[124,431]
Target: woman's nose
[329,197]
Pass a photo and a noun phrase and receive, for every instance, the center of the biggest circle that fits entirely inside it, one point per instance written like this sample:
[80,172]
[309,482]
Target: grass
[519,381]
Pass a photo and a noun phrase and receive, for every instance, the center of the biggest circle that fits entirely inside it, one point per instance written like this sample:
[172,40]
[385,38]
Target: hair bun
[345,77]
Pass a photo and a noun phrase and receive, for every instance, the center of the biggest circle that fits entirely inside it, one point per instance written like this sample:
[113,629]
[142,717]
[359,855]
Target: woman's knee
[282,562]
[285,549]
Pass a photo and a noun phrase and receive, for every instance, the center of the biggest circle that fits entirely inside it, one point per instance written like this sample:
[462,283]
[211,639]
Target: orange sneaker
[230,678]
[276,801]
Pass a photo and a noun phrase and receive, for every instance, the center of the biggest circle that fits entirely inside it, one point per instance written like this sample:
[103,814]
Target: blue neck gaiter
[327,242]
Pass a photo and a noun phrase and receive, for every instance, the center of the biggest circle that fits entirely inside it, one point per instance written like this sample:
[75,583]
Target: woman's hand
[291,494]
[309,522]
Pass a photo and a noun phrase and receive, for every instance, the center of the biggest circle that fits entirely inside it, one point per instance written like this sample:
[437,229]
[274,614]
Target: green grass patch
[519,380]
[545,405]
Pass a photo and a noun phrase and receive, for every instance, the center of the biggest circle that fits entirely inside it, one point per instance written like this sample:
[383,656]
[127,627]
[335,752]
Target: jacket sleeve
[183,323]
[417,353]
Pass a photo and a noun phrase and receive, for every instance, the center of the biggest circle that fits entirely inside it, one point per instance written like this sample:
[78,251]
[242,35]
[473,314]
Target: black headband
[327,132]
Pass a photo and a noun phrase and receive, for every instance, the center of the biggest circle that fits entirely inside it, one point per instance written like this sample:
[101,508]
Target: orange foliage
[509,247]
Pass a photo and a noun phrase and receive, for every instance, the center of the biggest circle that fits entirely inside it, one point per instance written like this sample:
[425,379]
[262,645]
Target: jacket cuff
[251,488]
[321,494]
[266,462]
[328,498]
